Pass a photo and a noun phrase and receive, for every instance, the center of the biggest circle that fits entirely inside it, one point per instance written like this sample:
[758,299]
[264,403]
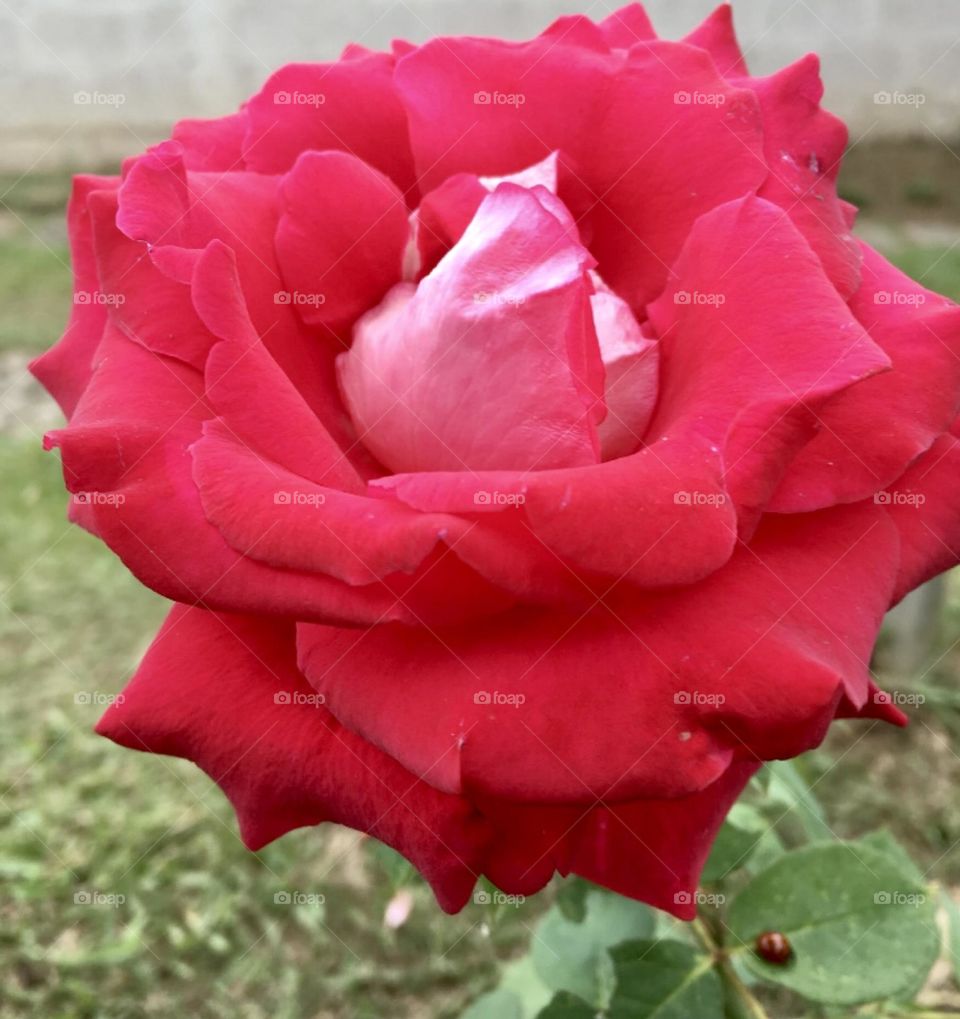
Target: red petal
[717,36]
[923,504]
[341,237]
[213,146]
[673,686]
[753,336]
[870,434]
[225,693]
[129,442]
[803,146]
[350,106]
[65,369]
[627,26]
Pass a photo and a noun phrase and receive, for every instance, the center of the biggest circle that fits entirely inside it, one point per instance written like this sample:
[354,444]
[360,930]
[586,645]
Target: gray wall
[169,58]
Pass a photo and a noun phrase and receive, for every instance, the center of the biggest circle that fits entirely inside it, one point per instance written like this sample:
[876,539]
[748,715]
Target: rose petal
[754,339]
[869,435]
[673,686]
[224,692]
[492,361]
[66,368]
[350,106]
[716,35]
[341,238]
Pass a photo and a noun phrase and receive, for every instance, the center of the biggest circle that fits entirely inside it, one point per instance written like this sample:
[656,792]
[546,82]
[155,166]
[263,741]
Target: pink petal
[491,362]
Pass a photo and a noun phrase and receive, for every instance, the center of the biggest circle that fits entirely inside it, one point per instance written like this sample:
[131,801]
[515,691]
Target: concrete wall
[148,62]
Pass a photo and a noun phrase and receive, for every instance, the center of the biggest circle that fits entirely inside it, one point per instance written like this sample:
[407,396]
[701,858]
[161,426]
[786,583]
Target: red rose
[530,449]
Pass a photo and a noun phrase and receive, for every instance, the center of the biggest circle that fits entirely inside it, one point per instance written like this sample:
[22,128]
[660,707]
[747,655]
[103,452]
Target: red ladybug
[774,948]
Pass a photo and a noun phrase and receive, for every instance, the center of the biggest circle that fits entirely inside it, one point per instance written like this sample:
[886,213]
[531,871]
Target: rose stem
[749,1005]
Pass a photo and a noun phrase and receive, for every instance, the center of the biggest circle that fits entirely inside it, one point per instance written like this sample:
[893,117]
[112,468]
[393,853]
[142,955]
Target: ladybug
[774,948]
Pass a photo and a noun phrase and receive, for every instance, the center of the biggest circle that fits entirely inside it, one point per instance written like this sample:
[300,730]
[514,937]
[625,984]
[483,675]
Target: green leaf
[738,838]
[498,1004]
[522,979]
[861,928]
[788,788]
[664,980]
[572,957]
[953,935]
[572,898]
[568,1006]
[884,842]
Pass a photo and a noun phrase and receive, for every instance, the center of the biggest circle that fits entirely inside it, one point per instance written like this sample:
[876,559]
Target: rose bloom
[527,445]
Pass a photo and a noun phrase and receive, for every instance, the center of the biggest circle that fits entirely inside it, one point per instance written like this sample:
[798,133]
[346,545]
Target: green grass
[198,932]
[35,289]
[937,267]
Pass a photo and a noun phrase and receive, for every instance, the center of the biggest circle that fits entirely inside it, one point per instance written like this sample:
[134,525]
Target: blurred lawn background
[200,932]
